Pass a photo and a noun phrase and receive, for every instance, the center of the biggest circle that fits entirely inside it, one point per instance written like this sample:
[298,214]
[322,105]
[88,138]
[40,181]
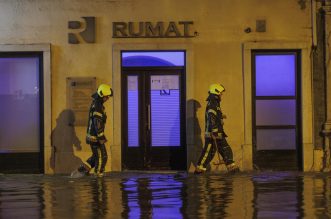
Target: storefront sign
[160,29]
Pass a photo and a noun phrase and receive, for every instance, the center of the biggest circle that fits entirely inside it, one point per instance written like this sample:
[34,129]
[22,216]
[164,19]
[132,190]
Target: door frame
[116,110]
[45,82]
[27,157]
[143,96]
[308,152]
[257,155]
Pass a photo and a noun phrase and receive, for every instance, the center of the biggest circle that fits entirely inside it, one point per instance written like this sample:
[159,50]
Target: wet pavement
[167,195]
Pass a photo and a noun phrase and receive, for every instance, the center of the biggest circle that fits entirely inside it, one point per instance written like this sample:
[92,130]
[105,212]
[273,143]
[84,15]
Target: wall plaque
[79,91]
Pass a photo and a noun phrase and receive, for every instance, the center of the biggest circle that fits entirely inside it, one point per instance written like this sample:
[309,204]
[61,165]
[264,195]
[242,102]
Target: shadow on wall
[63,159]
[194,131]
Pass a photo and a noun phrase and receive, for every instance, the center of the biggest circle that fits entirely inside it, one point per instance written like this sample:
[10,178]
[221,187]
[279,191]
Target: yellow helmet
[216,89]
[104,90]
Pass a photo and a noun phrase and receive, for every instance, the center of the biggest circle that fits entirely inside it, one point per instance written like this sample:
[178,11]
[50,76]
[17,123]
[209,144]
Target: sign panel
[79,91]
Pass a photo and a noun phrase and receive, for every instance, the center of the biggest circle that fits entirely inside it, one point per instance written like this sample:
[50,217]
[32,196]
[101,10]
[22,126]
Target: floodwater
[167,195]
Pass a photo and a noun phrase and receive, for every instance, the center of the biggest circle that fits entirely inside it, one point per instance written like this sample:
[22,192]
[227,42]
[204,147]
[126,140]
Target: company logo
[87,33]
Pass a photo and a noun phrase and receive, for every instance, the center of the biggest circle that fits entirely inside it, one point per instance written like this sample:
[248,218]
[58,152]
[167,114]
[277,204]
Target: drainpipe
[326,6]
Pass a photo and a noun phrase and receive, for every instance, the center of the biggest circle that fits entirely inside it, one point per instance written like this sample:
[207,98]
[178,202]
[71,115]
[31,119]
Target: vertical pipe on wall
[326,6]
[244,104]
[313,50]
[313,22]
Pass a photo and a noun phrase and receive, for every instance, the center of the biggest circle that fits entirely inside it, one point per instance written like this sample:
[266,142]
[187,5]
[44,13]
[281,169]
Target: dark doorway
[276,110]
[153,115]
[153,119]
[21,112]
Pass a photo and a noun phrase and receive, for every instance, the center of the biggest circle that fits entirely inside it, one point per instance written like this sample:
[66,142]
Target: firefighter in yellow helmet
[215,137]
[95,135]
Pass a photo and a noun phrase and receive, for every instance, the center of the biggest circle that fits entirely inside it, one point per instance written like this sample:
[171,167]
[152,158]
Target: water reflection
[278,195]
[208,196]
[100,197]
[181,195]
[20,198]
[157,196]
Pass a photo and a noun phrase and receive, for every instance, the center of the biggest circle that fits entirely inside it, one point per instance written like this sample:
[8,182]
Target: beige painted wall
[216,53]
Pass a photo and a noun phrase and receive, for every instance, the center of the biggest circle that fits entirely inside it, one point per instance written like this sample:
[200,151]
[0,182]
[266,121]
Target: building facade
[273,57]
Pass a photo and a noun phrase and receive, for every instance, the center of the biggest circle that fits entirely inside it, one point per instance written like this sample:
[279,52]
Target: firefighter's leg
[91,160]
[206,156]
[104,158]
[225,150]
[227,154]
[90,163]
[94,159]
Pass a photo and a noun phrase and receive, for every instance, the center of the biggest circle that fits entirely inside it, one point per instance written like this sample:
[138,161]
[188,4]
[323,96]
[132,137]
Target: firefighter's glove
[214,135]
[102,141]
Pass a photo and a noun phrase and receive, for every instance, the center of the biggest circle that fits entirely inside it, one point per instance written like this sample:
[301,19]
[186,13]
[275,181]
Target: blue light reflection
[156,197]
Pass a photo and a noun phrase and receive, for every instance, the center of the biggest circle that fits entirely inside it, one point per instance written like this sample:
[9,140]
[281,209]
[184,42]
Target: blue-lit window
[275,75]
[165,110]
[280,139]
[275,112]
[140,59]
[133,117]
[275,101]
[19,98]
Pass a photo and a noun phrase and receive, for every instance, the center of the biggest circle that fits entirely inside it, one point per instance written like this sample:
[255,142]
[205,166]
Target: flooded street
[167,195]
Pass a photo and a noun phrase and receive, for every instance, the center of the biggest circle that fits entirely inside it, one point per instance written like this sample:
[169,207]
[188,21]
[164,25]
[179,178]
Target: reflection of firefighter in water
[215,137]
[95,132]
[100,204]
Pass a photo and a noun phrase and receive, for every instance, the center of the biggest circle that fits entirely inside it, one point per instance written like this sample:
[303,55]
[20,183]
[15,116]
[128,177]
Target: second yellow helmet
[104,90]
[216,89]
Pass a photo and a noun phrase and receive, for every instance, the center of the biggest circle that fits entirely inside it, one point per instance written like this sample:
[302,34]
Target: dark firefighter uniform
[95,135]
[214,133]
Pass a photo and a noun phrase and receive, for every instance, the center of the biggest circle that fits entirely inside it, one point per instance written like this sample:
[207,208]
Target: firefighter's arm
[212,121]
[99,126]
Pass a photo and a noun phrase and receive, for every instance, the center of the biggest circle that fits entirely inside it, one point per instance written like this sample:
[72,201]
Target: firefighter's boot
[84,169]
[232,168]
[199,170]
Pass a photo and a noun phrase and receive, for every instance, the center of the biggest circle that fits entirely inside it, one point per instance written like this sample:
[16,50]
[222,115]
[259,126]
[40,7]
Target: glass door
[21,113]
[153,119]
[276,110]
